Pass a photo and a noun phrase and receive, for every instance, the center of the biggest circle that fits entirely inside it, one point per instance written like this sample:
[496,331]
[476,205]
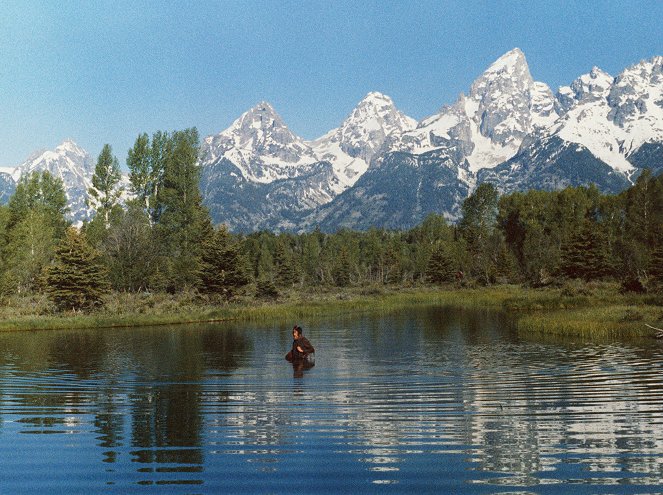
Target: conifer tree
[77,280]
[266,289]
[656,267]
[182,222]
[342,269]
[287,273]
[441,267]
[104,193]
[586,256]
[223,269]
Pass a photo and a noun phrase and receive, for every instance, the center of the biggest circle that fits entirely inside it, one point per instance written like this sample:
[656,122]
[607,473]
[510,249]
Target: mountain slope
[73,165]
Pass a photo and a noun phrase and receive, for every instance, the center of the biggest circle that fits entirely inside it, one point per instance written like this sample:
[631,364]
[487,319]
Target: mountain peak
[375,97]
[373,121]
[69,145]
[263,107]
[508,61]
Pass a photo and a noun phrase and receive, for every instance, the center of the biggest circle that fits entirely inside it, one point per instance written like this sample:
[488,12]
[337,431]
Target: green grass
[575,309]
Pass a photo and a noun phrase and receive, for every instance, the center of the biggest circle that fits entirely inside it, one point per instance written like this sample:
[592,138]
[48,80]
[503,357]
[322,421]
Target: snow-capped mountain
[609,130]
[255,160]
[487,127]
[381,168]
[259,174]
[261,146]
[363,134]
[69,162]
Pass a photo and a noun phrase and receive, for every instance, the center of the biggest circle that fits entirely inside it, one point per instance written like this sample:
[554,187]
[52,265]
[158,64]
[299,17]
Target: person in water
[301,347]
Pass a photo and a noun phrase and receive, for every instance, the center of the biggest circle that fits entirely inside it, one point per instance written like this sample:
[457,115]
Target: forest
[162,240]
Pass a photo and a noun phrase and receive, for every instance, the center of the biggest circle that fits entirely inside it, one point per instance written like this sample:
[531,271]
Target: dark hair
[297,329]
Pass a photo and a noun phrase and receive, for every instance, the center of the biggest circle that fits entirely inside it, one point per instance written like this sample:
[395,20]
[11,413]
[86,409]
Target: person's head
[296,332]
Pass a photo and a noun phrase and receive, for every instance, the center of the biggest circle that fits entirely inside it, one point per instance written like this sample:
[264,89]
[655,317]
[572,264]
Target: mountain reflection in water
[429,400]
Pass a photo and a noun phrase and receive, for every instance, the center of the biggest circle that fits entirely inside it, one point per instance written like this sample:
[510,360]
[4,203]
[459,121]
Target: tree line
[163,239]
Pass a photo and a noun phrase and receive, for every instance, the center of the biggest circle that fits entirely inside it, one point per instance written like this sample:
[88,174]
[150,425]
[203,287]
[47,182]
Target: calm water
[428,401]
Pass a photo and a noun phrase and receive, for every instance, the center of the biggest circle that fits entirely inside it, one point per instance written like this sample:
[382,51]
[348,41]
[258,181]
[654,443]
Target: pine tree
[182,222]
[441,267]
[104,193]
[223,269]
[656,267]
[585,255]
[342,268]
[265,289]
[77,280]
[287,273]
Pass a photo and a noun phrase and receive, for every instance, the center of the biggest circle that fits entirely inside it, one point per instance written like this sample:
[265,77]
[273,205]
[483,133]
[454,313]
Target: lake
[431,400]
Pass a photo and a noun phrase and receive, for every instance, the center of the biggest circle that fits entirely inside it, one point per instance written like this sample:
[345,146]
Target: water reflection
[427,400]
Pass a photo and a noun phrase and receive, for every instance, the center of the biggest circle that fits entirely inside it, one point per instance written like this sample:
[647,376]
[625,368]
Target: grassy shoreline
[595,310]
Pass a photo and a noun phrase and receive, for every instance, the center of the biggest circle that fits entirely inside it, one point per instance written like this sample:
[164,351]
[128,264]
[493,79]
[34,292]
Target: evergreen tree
[223,270]
[265,289]
[182,221]
[656,266]
[585,256]
[342,268]
[287,274]
[105,193]
[77,280]
[441,267]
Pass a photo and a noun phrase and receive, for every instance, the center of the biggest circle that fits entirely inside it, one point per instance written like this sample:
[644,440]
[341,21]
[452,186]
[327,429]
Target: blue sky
[103,72]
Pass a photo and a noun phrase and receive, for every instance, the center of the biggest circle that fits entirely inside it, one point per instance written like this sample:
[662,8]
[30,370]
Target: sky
[104,72]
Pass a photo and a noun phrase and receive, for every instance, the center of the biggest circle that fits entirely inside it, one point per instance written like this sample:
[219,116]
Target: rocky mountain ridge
[382,168]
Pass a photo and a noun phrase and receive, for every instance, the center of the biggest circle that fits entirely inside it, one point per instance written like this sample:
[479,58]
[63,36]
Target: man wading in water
[301,347]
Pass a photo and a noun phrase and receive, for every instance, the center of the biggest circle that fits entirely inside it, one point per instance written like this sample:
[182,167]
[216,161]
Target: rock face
[486,127]
[257,174]
[69,162]
[367,131]
[381,168]
[7,187]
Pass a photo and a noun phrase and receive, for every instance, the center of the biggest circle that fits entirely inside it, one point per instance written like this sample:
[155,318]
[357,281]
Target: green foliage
[285,265]
[266,289]
[33,224]
[77,280]
[585,255]
[104,193]
[441,266]
[182,223]
[39,191]
[130,250]
[223,269]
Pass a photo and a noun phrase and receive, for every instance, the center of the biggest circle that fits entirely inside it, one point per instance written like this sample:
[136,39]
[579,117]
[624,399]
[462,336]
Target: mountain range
[382,168]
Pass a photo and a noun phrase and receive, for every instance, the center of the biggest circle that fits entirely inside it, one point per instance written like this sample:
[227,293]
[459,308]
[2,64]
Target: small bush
[265,289]
[634,285]
[575,288]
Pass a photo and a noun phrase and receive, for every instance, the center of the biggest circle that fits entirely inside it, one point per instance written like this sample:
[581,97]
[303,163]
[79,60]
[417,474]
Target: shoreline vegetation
[585,310]
[574,261]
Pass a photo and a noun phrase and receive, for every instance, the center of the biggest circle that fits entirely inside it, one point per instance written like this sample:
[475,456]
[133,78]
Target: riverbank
[597,309]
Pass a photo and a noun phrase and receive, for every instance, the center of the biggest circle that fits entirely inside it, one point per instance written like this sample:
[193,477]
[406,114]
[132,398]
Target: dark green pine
[586,256]
[77,280]
[223,270]
[441,268]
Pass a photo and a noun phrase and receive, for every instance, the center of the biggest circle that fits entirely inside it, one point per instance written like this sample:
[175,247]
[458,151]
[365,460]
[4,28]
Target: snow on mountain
[259,161]
[261,146]
[504,105]
[350,147]
[613,118]
[69,162]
